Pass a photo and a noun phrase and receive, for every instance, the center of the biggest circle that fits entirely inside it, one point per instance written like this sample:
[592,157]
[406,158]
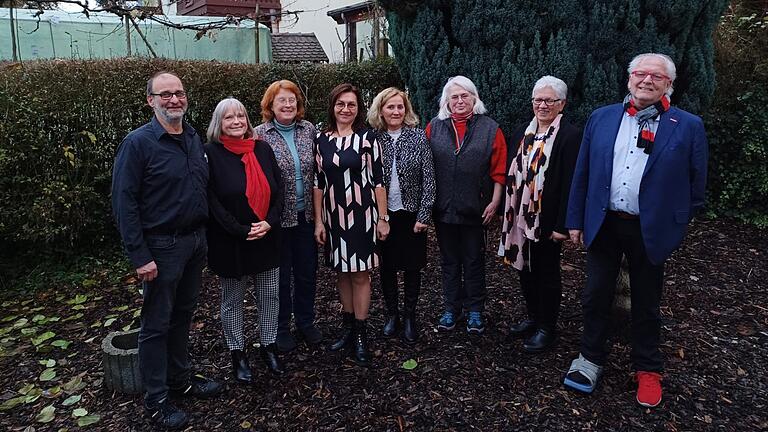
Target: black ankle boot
[391,324]
[410,331]
[269,355]
[360,353]
[345,333]
[240,367]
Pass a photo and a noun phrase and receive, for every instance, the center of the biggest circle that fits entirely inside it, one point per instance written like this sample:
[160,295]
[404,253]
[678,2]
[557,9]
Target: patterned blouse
[415,170]
[304,138]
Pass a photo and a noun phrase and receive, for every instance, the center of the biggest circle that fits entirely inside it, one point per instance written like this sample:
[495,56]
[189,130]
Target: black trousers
[619,237]
[166,314]
[541,284]
[403,250]
[411,285]
[462,253]
[298,261]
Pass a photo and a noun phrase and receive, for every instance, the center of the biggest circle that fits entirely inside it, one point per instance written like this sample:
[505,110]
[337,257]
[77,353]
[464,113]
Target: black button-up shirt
[158,185]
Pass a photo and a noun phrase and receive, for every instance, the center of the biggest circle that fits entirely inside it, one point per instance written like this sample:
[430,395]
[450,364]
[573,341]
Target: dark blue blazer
[672,187]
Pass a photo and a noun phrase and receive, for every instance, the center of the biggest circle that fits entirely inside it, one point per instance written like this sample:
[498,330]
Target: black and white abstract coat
[415,170]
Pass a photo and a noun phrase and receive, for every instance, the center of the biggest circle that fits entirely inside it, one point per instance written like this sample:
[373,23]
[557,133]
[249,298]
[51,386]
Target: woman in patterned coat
[292,139]
[410,179]
[540,165]
[350,211]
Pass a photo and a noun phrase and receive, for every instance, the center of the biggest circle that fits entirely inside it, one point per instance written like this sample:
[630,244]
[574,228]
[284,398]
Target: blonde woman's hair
[375,118]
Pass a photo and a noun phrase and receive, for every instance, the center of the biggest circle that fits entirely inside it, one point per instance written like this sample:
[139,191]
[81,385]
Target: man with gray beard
[160,205]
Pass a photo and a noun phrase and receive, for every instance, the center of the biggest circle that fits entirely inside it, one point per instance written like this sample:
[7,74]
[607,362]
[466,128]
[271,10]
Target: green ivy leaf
[72,400]
[61,343]
[79,299]
[88,420]
[46,414]
[74,385]
[74,317]
[26,389]
[410,364]
[52,392]
[79,412]
[48,374]
[48,363]
[109,322]
[43,337]
[20,323]
[12,403]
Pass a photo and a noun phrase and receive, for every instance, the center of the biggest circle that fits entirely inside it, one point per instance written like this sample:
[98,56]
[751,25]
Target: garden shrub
[737,122]
[61,122]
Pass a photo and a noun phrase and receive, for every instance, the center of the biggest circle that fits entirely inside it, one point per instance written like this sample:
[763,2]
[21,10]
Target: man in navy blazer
[639,180]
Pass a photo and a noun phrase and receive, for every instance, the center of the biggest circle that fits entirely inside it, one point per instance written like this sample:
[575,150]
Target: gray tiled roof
[297,48]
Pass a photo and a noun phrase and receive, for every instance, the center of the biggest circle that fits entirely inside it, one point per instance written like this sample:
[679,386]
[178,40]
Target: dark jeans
[166,314]
[541,284]
[298,257]
[619,237]
[462,253]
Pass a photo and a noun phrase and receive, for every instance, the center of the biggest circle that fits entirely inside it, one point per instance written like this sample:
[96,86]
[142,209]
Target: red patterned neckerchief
[646,136]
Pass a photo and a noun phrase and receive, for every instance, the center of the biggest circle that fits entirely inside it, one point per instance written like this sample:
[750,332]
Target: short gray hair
[466,84]
[670,66]
[151,80]
[556,84]
[214,128]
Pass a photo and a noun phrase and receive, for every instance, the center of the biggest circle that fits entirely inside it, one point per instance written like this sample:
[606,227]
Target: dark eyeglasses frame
[181,94]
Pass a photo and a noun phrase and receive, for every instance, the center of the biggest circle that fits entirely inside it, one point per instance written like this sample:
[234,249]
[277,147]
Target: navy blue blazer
[671,189]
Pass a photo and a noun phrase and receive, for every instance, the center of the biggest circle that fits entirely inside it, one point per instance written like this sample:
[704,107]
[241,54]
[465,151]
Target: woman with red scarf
[244,198]
[469,154]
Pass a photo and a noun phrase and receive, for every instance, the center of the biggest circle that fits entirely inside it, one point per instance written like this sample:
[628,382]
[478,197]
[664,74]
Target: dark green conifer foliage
[505,46]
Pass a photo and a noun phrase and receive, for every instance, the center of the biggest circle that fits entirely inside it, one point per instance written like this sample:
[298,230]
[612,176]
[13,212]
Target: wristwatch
[385,218]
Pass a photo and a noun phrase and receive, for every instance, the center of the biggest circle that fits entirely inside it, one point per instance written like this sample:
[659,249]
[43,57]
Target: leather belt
[623,215]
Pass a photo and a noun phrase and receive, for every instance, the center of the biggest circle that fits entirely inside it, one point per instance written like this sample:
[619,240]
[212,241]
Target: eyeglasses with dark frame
[547,102]
[655,77]
[166,95]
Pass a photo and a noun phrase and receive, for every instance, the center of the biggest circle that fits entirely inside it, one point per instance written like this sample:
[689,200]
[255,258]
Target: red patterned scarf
[256,185]
[644,116]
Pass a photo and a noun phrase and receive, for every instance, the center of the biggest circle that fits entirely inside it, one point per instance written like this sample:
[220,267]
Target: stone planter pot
[121,362]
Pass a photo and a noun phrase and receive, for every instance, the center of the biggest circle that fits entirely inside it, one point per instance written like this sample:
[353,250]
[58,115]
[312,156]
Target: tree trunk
[121,362]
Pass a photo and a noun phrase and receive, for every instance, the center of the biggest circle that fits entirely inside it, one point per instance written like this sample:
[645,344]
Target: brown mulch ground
[715,340]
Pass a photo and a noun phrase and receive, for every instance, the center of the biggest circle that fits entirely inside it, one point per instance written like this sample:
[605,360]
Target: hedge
[62,121]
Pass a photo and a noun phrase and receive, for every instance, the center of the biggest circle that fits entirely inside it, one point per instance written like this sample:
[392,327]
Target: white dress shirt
[628,166]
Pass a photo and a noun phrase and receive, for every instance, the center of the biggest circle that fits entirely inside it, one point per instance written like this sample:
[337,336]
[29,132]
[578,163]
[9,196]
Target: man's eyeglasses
[547,102]
[655,77]
[166,95]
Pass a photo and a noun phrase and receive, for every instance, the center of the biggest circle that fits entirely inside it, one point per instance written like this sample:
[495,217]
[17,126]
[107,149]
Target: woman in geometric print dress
[350,211]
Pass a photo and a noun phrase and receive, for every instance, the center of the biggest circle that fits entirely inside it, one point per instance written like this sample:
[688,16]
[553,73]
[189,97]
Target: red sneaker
[648,388]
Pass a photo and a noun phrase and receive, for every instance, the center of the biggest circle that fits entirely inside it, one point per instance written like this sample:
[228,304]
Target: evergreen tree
[505,46]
